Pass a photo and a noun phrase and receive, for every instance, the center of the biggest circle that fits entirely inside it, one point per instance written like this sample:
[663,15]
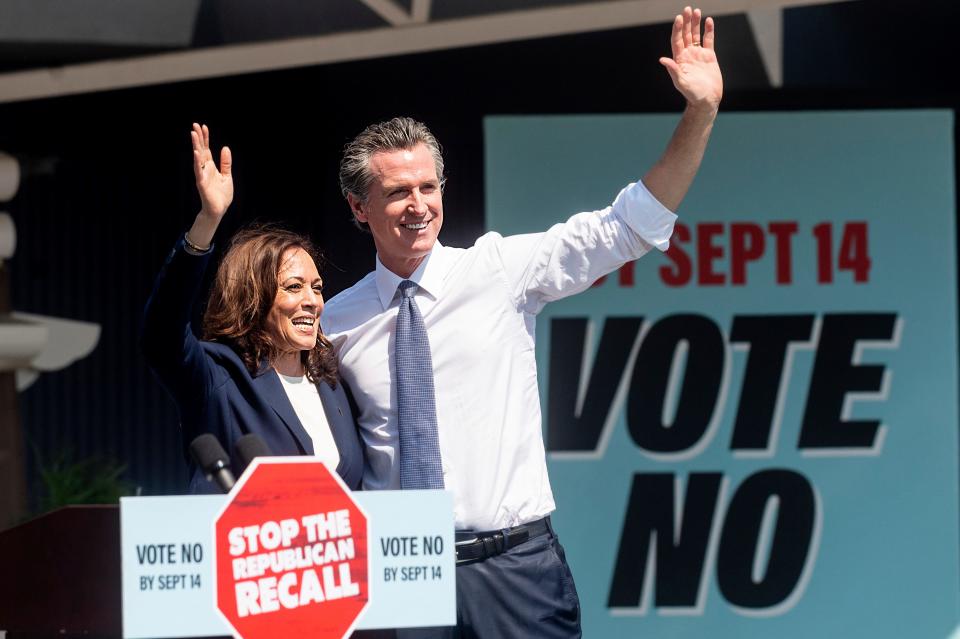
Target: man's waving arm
[696,75]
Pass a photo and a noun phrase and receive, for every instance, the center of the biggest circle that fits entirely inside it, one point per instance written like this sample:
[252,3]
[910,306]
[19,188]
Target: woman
[263,366]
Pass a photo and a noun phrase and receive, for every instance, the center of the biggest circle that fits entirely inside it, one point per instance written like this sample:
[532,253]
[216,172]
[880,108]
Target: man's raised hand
[693,67]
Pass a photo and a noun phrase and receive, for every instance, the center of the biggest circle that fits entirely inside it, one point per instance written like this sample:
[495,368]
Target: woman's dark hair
[243,293]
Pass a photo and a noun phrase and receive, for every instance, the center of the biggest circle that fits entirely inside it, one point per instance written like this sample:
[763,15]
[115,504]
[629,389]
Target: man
[437,344]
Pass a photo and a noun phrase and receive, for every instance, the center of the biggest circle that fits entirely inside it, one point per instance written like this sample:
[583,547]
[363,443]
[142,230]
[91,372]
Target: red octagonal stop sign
[290,552]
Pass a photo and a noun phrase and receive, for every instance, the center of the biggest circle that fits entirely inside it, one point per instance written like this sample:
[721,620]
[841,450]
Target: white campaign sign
[166,548]
[167,577]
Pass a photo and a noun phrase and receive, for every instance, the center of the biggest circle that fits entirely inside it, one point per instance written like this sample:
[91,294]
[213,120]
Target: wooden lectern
[61,575]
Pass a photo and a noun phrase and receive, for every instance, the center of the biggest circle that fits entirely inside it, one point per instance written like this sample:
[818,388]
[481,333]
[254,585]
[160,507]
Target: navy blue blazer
[214,391]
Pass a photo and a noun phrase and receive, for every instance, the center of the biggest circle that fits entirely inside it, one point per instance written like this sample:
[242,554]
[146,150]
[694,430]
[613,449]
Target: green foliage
[93,480]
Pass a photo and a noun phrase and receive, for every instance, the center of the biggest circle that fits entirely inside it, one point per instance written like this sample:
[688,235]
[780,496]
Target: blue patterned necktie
[416,406]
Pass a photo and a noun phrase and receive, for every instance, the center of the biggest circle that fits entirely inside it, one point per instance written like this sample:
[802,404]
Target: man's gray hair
[393,135]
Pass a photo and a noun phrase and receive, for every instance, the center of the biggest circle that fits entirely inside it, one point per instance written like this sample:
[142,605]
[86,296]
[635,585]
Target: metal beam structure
[408,31]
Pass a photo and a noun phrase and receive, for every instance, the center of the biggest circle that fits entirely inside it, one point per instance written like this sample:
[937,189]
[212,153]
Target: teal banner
[754,434]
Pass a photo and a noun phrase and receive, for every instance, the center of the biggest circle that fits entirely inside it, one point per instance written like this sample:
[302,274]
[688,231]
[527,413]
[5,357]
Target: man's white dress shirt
[479,306]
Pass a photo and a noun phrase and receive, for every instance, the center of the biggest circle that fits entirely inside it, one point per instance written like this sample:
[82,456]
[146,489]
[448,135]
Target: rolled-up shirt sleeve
[645,216]
[569,257]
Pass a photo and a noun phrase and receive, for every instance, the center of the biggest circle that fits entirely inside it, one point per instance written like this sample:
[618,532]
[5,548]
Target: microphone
[248,447]
[209,455]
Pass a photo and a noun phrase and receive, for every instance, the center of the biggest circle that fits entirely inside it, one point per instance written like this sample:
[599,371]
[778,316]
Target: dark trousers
[526,592]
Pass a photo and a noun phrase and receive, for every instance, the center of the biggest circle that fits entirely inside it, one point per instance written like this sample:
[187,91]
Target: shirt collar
[428,276]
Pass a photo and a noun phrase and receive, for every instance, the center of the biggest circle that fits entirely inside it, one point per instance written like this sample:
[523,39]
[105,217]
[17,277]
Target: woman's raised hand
[215,186]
